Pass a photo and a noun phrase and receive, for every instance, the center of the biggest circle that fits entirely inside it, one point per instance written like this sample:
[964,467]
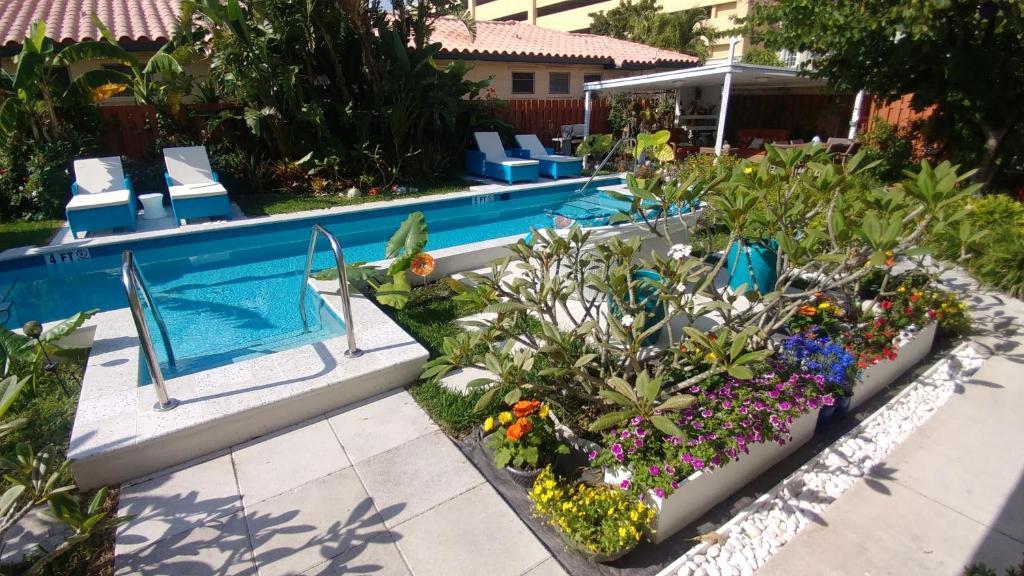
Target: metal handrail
[131,278]
[601,165]
[346,301]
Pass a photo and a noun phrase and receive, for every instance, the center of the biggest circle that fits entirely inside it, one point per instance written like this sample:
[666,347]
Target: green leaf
[485,400]
[395,293]
[90,51]
[609,420]
[479,383]
[613,396]
[10,498]
[648,387]
[622,387]
[68,327]
[410,236]
[584,360]
[502,457]
[667,426]
[741,372]
[163,63]
[514,395]
[678,402]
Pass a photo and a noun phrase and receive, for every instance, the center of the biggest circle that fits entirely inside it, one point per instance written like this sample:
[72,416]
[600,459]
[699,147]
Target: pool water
[232,293]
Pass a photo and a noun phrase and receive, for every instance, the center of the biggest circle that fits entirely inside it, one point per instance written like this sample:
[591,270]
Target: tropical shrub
[892,148]
[597,519]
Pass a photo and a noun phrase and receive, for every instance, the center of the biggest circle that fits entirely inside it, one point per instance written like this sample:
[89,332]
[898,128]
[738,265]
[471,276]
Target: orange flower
[808,310]
[105,91]
[518,429]
[525,407]
[422,264]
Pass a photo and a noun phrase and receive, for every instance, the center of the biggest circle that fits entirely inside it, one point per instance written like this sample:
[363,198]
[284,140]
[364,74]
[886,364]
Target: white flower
[627,320]
[680,251]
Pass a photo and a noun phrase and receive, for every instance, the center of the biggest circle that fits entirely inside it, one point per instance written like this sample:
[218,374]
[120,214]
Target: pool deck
[117,436]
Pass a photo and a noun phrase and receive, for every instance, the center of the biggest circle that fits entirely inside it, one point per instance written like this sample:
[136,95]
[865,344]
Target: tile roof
[510,39]
[154,21]
[71,20]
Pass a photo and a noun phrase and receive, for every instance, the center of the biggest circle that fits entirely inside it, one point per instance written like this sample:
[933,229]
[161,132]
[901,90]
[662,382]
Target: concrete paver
[273,464]
[219,547]
[380,425]
[456,539]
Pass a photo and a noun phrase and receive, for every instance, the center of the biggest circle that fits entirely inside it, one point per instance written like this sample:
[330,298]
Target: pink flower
[624,484]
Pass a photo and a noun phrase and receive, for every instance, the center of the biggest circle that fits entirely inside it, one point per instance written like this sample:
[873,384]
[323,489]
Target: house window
[587,78]
[522,82]
[558,83]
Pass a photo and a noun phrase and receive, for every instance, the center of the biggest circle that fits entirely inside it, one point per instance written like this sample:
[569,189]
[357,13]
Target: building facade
[574,15]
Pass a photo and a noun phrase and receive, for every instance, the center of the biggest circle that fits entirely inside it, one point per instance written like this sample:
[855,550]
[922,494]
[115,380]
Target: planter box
[701,491]
[877,376]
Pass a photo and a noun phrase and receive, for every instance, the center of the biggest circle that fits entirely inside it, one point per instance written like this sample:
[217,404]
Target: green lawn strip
[285,203]
[430,317]
[27,233]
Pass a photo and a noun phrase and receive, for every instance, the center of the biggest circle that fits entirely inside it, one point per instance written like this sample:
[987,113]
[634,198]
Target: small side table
[152,206]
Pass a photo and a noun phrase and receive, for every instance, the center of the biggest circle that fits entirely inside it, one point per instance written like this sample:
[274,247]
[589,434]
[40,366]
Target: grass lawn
[283,203]
[27,233]
[429,318]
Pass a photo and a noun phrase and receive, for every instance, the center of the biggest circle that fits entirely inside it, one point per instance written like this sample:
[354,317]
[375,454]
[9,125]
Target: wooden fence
[129,131]
[545,117]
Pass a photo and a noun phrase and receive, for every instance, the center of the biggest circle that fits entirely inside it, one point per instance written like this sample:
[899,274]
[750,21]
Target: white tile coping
[492,188]
[117,436]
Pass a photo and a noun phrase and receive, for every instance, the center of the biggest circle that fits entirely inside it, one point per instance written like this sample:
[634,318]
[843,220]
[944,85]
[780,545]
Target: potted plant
[828,362]
[751,263]
[601,523]
[523,440]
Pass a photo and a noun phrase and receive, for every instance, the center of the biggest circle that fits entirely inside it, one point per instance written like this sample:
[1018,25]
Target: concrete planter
[876,377]
[703,490]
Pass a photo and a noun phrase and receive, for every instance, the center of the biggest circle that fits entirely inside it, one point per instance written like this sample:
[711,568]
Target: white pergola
[730,75]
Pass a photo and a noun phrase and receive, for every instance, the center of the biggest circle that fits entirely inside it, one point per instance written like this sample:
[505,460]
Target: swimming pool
[230,293]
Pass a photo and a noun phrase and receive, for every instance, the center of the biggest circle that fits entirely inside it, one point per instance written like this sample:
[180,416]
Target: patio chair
[836,145]
[101,197]
[845,155]
[491,161]
[552,165]
[193,185]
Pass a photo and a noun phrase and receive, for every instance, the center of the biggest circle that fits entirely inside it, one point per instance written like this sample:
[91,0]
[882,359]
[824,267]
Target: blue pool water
[232,293]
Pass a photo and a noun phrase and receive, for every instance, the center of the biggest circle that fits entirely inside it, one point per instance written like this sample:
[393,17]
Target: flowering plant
[524,437]
[821,358]
[822,313]
[728,416]
[599,519]
[905,309]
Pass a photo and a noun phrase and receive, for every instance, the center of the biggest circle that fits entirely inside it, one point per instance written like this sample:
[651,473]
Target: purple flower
[616,448]
[785,405]
[688,458]
[828,400]
[707,413]
[624,484]
[694,388]
[620,457]
[625,434]
[727,404]
[636,420]
[675,485]
[773,394]
[743,410]
[758,405]
[592,455]
[659,492]
[654,470]
[669,469]
[697,425]
[641,432]
[698,464]
[639,442]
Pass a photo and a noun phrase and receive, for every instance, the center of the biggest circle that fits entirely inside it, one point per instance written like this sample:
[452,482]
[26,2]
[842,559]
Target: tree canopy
[644,22]
[965,57]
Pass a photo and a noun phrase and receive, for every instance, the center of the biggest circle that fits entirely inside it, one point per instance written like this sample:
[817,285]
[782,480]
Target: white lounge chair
[194,186]
[551,165]
[101,197]
[492,161]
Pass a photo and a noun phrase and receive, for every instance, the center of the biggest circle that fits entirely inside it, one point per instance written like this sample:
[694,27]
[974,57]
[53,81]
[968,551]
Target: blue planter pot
[754,256]
[842,407]
[644,295]
[826,414]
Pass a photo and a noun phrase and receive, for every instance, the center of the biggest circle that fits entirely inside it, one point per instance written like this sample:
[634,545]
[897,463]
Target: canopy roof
[745,77]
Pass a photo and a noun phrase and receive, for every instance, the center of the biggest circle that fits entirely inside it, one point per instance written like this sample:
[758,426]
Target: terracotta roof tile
[71,20]
[520,39]
[154,21]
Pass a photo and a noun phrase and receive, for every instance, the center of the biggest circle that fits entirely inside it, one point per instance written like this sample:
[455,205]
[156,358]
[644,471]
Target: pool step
[117,436]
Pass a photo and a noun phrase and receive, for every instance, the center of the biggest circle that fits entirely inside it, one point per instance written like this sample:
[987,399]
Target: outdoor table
[152,206]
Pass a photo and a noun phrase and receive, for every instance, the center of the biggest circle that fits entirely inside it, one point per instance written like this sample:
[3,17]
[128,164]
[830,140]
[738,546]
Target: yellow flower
[901,289]
[505,417]
[634,516]
[823,305]
[544,411]
[622,532]
[748,170]
[489,424]
[711,356]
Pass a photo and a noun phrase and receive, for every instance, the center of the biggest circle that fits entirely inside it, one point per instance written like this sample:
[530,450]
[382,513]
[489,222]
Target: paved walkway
[376,488]
[953,493]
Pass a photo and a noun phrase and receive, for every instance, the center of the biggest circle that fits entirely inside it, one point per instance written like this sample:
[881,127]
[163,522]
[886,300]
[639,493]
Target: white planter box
[877,376]
[702,490]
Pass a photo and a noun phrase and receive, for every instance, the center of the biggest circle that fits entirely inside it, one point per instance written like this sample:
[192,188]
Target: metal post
[858,102]
[346,300]
[130,280]
[723,107]
[679,106]
[586,113]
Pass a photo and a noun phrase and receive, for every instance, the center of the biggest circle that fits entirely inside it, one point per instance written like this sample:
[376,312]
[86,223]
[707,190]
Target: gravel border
[751,537]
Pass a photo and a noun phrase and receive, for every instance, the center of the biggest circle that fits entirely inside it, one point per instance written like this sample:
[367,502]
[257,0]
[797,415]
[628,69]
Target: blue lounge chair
[491,161]
[193,185]
[551,165]
[101,197]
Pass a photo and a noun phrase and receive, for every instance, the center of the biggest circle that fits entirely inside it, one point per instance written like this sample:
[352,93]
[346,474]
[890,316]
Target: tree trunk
[994,138]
